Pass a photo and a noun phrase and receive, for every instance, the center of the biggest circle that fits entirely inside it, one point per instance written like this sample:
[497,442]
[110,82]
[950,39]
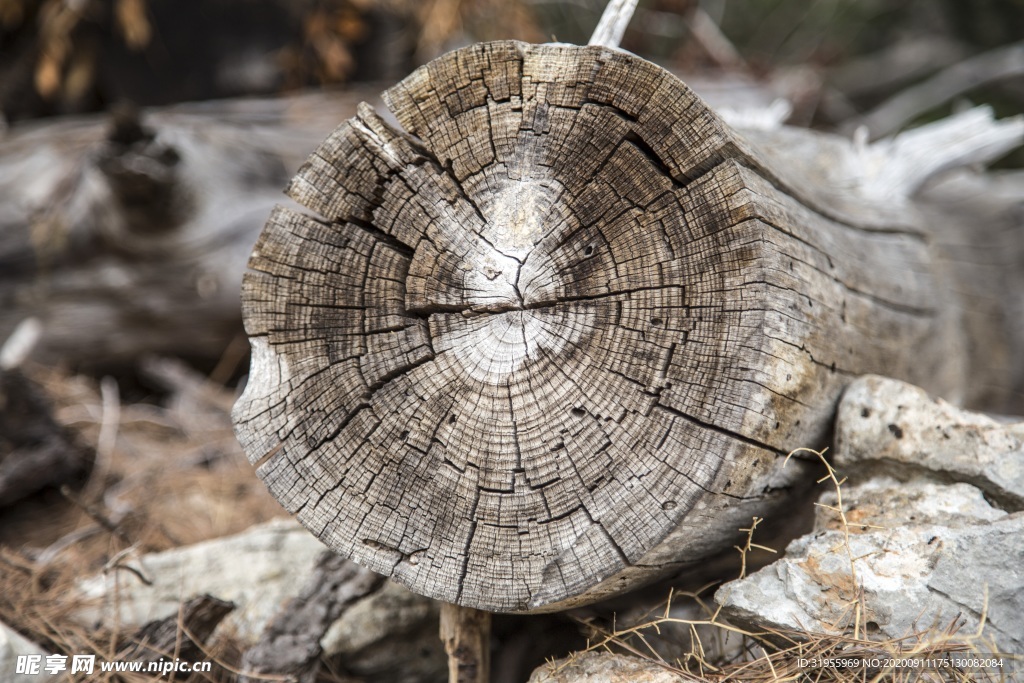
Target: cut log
[131,239]
[556,338]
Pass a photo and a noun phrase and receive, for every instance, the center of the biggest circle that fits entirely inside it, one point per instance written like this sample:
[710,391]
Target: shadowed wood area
[554,338]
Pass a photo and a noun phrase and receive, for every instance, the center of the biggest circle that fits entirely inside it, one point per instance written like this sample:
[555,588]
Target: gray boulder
[259,570]
[893,427]
[934,536]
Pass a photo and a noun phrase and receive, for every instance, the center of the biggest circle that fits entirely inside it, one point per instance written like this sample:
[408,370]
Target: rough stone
[601,667]
[913,576]
[890,503]
[12,646]
[364,637]
[891,426]
[931,541]
[258,570]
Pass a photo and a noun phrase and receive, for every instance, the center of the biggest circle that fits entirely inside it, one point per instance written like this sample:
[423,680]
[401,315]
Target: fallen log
[181,636]
[128,237]
[554,337]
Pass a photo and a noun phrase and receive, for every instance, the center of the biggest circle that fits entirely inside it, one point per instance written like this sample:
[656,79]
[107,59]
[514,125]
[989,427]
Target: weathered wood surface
[613,23]
[182,636]
[556,338]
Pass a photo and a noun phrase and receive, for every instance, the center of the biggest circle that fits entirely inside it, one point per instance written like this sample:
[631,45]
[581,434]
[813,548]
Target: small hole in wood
[588,251]
[657,321]
[452,419]
[578,412]
[668,505]
[404,435]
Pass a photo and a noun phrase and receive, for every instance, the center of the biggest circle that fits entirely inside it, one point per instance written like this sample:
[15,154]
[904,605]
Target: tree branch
[995,65]
[613,23]
[466,634]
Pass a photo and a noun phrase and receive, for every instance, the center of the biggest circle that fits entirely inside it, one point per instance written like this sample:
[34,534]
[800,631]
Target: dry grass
[719,651]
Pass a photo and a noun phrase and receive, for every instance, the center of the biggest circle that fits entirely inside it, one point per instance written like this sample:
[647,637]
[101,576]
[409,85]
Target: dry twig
[995,65]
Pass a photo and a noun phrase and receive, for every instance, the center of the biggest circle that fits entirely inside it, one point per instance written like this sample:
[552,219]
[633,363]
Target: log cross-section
[555,337]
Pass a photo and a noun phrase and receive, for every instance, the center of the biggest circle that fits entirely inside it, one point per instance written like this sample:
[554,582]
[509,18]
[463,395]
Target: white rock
[889,502]
[602,667]
[258,570]
[933,527]
[891,426]
[13,645]
[912,576]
